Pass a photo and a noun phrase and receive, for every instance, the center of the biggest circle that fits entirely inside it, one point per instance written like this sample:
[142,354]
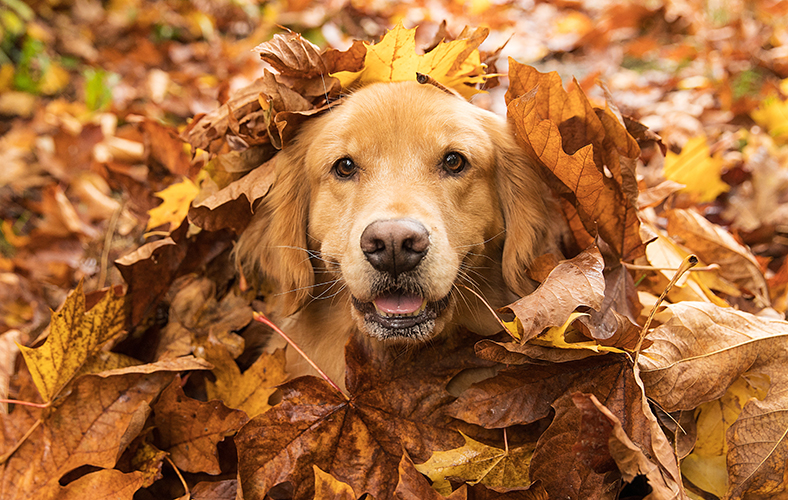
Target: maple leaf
[248,391]
[578,146]
[456,64]
[91,425]
[191,429]
[697,170]
[772,114]
[359,440]
[75,336]
[476,462]
[177,200]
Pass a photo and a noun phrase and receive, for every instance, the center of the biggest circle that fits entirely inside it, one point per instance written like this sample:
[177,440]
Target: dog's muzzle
[394,247]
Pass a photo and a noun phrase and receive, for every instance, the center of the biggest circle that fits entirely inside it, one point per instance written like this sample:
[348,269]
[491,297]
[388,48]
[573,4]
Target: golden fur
[486,223]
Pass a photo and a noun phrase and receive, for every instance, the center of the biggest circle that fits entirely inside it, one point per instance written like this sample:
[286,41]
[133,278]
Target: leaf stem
[25,403]
[187,493]
[258,316]
[10,452]
[689,262]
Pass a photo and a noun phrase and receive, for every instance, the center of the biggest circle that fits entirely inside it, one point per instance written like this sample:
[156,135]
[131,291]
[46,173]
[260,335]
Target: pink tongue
[397,303]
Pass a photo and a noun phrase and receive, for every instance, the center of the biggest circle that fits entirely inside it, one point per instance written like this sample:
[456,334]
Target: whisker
[483,242]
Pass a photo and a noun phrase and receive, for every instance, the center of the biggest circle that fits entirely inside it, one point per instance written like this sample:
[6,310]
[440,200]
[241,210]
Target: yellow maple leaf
[476,462]
[177,199]
[248,391]
[772,114]
[706,466]
[697,170]
[75,337]
[456,64]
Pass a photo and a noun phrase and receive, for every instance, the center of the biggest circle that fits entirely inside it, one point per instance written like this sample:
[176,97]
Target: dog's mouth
[399,314]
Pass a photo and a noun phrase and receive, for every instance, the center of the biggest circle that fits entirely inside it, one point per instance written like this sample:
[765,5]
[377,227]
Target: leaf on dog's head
[231,207]
[586,153]
[456,64]
[292,55]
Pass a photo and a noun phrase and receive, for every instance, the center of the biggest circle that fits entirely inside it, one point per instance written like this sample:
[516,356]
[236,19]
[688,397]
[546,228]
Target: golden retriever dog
[384,211]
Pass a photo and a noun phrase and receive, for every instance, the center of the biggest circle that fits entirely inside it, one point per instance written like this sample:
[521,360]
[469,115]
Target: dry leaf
[75,336]
[177,200]
[697,170]
[191,429]
[589,153]
[476,462]
[248,391]
[573,283]
[456,64]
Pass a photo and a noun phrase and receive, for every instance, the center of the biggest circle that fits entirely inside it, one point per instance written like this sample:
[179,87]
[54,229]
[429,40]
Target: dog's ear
[526,205]
[274,245]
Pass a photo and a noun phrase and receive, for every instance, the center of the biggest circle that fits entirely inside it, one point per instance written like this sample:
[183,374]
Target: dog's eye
[344,168]
[454,163]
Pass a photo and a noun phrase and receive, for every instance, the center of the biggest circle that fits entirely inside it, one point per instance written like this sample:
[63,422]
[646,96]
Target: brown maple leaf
[395,404]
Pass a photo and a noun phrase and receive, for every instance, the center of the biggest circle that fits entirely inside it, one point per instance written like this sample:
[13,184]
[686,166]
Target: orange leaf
[588,152]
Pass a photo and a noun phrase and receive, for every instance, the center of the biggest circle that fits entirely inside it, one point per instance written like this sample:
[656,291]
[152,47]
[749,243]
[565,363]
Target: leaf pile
[145,140]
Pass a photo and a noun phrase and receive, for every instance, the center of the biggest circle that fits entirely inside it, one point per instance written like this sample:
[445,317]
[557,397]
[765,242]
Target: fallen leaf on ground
[75,336]
[697,170]
[191,429]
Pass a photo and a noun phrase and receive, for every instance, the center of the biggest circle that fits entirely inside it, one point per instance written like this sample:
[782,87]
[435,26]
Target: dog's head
[390,200]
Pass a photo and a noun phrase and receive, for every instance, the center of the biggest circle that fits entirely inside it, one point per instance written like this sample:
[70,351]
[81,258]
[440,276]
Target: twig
[187,493]
[495,315]
[427,79]
[113,224]
[688,262]
[258,316]
[635,267]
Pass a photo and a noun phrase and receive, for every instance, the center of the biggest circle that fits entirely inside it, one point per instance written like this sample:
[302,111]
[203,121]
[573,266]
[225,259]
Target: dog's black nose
[395,246]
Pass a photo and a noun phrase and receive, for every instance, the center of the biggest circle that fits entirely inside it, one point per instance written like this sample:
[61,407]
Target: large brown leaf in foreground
[525,394]
[697,355]
[394,406]
[588,152]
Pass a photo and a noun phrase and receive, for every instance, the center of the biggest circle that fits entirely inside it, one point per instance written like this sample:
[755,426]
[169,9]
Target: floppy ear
[526,204]
[274,245]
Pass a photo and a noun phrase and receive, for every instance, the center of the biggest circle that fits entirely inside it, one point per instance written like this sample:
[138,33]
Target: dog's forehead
[387,117]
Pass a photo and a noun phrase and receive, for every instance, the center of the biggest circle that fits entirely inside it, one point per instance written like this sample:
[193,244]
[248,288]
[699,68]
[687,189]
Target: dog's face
[393,199]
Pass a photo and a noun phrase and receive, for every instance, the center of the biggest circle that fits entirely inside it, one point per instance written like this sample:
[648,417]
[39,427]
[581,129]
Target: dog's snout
[395,246]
